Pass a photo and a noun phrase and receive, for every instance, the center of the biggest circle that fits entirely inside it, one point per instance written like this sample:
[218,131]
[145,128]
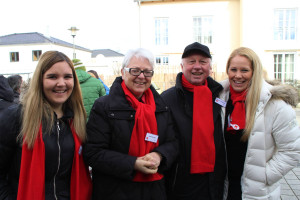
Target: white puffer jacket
[274,143]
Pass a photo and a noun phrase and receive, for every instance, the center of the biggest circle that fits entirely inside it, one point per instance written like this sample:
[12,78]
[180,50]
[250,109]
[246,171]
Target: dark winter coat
[109,131]
[182,184]
[6,94]
[11,152]
[16,97]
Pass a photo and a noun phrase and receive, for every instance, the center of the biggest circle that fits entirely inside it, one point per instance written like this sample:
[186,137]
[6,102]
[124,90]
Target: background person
[6,94]
[131,141]
[40,139]
[200,170]
[261,131]
[94,74]
[15,82]
[91,88]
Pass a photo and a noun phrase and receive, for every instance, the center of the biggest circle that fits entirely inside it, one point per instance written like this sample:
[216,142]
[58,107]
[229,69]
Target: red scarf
[145,122]
[238,116]
[203,146]
[32,172]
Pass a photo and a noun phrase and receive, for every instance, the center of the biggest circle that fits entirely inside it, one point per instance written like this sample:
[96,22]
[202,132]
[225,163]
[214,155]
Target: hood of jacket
[82,75]
[285,92]
[6,91]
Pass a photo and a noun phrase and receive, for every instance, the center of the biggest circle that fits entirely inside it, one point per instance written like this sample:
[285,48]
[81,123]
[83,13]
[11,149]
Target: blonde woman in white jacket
[261,132]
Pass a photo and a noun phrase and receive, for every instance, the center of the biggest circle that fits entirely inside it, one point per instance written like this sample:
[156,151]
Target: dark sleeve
[169,148]
[9,125]
[97,151]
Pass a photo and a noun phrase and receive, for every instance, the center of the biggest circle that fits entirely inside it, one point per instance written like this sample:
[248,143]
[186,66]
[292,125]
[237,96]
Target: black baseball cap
[196,47]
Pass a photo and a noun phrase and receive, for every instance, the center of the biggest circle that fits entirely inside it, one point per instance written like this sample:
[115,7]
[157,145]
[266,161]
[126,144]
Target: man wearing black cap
[199,173]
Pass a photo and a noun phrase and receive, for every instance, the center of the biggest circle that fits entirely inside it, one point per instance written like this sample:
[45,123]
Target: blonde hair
[254,87]
[36,108]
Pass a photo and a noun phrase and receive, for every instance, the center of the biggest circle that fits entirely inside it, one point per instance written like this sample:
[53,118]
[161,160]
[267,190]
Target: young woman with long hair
[40,139]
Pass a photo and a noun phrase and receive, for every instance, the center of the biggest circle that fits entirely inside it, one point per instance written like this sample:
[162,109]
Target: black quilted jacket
[109,131]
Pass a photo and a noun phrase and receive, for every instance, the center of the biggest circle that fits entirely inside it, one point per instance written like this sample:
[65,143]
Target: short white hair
[138,53]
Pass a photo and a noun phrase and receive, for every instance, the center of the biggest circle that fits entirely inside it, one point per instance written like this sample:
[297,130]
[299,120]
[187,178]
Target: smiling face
[196,68]
[239,73]
[137,84]
[58,84]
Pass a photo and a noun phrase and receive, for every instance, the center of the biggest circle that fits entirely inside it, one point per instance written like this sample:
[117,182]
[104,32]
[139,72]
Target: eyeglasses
[137,72]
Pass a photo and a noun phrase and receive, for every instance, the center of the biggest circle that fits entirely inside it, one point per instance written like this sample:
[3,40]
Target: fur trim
[273,82]
[285,92]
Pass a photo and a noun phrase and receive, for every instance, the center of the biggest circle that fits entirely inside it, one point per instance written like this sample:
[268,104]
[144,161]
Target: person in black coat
[40,138]
[15,82]
[131,140]
[6,94]
[199,173]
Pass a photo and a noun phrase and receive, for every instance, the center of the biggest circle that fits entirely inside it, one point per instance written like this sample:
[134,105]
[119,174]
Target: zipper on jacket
[175,177]
[58,165]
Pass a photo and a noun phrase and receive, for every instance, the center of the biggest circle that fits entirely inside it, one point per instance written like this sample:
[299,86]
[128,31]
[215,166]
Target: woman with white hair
[131,141]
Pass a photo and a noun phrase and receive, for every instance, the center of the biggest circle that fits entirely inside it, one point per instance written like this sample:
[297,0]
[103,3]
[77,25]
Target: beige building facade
[269,27]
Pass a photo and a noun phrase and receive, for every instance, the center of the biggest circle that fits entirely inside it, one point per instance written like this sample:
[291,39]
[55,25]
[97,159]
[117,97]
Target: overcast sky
[102,23]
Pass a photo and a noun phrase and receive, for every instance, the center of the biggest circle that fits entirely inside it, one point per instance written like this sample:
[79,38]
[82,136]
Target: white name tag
[80,150]
[151,137]
[220,102]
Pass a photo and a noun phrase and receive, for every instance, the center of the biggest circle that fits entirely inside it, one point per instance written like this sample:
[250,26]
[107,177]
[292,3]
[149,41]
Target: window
[162,60]
[161,31]
[14,56]
[36,55]
[203,29]
[285,24]
[284,67]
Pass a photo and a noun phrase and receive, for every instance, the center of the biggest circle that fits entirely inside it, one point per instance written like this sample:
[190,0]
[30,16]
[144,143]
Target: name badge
[80,150]
[220,102]
[151,137]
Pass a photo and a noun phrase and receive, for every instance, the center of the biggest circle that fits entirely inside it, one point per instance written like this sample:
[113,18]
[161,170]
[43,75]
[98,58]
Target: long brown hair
[35,107]
[254,87]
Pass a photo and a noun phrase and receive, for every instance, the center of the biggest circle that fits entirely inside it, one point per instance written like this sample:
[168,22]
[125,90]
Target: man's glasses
[137,72]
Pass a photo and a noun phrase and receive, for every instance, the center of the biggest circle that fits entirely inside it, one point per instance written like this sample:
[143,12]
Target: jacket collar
[214,86]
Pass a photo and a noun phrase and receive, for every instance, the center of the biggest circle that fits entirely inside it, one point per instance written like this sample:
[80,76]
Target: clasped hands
[148,164]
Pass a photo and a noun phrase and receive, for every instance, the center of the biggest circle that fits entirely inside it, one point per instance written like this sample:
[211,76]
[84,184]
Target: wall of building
[257,32]
[180,14]
[26,63]
[236,23]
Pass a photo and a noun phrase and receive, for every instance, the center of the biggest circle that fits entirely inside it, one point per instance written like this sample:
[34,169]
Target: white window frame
[14,56]
[284,66]
[36,54]
[285,24]
[203,29]
[162,60]
[161,31]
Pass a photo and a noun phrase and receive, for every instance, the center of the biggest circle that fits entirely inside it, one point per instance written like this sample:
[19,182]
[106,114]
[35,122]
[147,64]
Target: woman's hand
[153,157]
[145,166]
[149,163]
